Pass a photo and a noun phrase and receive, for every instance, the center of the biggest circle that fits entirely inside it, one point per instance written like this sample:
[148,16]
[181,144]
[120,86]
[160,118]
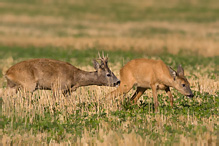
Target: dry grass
[87,95]
[173,44]
[110,139]
[94,30]
[101,137]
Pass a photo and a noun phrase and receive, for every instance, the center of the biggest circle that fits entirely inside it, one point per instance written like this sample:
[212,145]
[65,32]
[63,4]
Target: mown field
[178,32]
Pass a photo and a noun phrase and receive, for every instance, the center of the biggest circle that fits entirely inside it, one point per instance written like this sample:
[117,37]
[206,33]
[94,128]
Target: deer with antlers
[46,73]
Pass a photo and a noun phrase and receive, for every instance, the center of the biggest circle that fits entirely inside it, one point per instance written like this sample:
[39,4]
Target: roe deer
[45,73]
[151,74]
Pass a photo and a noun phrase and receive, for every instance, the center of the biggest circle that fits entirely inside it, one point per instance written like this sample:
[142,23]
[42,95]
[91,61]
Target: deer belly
[144,84]
[49,83]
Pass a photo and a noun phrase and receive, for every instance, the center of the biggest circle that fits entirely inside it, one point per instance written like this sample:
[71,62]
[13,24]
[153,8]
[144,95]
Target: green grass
[89,116]
[85,57]
[76,123]
[191,118]
[201,12]
[150,31]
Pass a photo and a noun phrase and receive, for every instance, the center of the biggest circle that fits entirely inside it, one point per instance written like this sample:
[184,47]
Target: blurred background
[149,26]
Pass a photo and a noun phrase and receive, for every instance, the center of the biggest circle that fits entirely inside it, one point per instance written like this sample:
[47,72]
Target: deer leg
[169,95]
[29,87]
[9,91]
[72,89]
[138,94]
[1,92]
[75,87]
[122,89]
[11,88]
[154,92]
[127,82]
[66,92]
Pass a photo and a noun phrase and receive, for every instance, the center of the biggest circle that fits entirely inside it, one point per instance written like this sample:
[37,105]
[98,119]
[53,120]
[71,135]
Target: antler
[103,59]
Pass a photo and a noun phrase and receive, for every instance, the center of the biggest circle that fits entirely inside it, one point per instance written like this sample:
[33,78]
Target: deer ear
[96,65]
[173,73]
[180,70]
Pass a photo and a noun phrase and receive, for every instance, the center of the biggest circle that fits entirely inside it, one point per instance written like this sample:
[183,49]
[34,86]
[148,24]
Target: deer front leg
[75,87]
[138,94]
[154,92]
[72,89]
[122,89]
[169,95]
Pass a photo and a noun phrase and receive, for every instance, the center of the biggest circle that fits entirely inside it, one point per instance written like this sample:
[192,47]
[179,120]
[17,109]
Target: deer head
[180,81]
[105,75]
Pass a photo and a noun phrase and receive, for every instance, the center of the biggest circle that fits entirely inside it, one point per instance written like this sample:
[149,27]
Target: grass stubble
[87,118]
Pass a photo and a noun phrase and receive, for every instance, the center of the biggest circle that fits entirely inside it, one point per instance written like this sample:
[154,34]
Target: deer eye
[108,75]
[183,85]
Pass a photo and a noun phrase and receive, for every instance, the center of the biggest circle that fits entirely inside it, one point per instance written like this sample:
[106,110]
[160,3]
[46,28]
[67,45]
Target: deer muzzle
[190,96]
[116,84]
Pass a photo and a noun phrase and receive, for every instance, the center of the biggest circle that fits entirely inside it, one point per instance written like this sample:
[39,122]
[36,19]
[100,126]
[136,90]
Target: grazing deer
[46,73]
[151,74]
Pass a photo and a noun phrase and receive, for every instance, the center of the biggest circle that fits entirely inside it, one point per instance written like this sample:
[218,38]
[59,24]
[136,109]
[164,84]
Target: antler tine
[103,58]
[99,56]
[103,55]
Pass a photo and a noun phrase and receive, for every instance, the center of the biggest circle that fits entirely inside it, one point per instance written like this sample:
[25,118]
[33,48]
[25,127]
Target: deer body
[145,73]
[48,73]
[151,74]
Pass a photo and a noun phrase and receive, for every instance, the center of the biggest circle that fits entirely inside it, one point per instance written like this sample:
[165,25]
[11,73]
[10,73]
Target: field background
[177,31]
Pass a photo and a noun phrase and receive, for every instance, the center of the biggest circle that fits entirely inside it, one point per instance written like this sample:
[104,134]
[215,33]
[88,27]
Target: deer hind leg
[9,91]
[138,94]
[29,86]
[11,88]
[1,92]
[154,92]
[169,95]
[13,85]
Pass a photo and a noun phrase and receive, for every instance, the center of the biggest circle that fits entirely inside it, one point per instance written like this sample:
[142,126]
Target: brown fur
[49,74]
[151,74]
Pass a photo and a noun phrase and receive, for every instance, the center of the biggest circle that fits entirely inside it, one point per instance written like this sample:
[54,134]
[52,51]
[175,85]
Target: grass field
[178,32]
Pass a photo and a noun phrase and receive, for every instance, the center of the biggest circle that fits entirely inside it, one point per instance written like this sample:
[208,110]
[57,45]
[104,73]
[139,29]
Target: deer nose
[191,95]
[117,83]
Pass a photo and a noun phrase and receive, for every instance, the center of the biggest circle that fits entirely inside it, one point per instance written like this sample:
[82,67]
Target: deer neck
[167,81]
[85,78]
[170,83]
